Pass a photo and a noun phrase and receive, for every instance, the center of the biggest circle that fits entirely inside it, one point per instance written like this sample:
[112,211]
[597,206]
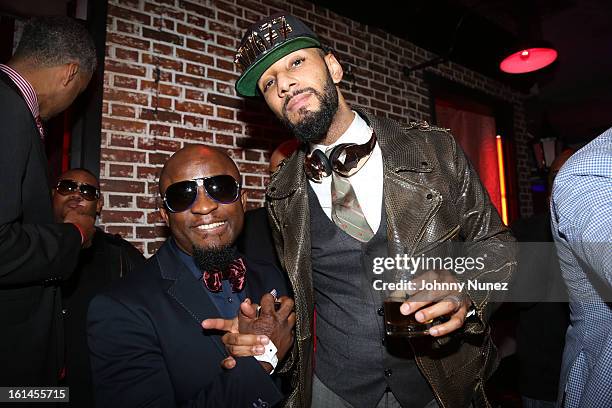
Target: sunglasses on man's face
[87,191]
[180,196]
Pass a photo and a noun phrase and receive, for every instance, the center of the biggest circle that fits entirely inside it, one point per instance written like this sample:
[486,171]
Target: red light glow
[528,60]
[502,179]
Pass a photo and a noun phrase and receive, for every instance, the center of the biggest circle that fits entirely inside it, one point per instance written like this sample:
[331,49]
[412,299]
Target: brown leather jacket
[431,194]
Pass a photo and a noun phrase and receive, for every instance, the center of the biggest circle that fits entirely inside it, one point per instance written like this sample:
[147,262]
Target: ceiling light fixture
[528,60]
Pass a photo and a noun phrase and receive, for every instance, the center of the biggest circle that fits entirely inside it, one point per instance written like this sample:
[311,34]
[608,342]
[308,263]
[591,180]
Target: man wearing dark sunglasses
[363,187]
[146,337]
[105,259]
[52,65]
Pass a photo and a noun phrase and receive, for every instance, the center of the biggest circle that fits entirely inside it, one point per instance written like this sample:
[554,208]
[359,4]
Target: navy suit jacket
[147,346]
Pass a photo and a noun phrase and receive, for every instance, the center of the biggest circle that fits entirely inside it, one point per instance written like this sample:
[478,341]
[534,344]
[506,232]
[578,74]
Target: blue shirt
[226,301]
[581,215]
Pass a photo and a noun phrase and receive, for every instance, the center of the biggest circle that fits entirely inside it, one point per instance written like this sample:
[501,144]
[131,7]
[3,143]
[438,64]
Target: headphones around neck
[345,159]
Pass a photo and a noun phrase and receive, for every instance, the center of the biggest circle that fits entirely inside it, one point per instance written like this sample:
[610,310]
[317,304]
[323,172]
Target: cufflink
[269,356]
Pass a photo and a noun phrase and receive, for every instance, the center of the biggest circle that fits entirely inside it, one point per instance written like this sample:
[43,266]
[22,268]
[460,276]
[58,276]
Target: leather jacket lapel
[287,199]
[409,204]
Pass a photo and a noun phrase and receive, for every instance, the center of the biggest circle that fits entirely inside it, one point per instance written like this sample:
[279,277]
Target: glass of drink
[397,324]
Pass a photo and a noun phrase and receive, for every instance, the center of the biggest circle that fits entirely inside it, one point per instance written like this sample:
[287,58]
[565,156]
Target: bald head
[204,221]
[189,157]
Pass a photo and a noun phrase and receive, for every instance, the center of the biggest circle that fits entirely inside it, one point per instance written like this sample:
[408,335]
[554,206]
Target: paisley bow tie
[235,273]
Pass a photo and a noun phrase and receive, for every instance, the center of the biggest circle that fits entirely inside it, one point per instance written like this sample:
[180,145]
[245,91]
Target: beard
[314,125]
[213,259]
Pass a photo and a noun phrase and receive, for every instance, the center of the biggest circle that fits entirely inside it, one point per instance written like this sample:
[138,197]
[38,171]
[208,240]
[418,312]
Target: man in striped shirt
[53,63]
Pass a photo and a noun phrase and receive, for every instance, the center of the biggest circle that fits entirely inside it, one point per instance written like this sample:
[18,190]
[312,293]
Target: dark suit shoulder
[11,101]
[139,285]
[118,241]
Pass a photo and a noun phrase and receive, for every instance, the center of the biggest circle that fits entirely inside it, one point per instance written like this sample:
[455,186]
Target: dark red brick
[123,125]
[122,155]
[225,113]
[122,140]
[163,36]
[223,52]
[225,101]
[122,186]
[224,126]
[196,8]
[154,218]
[151,232]
[193,134]
[193,121]
[193,107]
[167,63]
[227,140]
[123,111]
[121,170]
[197,70]
[195,95]
[122,230]
[150,203]
[159,130]
[160,115]
[128,41]
[193,32]
[164,89]
[126,55]
[194,81]
[221,75]
[124,82]
[148,173]
[158,158]
[124,68]
[195,57]
[122,217]
[129,15]
[196,45]
[163,49]
[120,201]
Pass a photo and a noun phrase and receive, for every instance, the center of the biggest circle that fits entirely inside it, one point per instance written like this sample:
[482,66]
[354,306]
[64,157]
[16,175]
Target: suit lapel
[186,290]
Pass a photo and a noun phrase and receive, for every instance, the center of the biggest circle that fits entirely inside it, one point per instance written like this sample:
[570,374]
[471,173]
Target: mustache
[298,92]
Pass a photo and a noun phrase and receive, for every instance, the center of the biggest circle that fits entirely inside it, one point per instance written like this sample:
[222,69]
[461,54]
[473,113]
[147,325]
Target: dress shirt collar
[358,132]
[27,90]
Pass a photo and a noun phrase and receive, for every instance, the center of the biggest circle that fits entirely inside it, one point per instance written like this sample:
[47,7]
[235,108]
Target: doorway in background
[482,126]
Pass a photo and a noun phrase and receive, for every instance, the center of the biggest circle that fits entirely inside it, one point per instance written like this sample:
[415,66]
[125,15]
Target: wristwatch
[269,356]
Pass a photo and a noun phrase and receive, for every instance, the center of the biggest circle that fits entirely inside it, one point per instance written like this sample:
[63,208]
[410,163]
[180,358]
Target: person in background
[581,218]
[255,240]
[541,326]
[104,259]
[52,65]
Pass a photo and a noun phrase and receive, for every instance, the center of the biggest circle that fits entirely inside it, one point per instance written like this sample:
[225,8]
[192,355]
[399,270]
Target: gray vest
[351,356]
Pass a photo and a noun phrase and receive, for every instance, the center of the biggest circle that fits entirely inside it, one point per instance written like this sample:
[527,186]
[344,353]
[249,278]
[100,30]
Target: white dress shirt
[367,182]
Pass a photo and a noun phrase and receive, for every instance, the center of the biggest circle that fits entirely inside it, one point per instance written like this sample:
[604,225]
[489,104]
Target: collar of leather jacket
[400,148]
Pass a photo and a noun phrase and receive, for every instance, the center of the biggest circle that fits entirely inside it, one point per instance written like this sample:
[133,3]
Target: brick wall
[169,81]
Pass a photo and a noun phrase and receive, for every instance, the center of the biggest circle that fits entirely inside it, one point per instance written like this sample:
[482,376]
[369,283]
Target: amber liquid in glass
[397,324]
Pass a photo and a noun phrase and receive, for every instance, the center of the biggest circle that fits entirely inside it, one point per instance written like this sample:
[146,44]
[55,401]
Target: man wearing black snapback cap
[361,187]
